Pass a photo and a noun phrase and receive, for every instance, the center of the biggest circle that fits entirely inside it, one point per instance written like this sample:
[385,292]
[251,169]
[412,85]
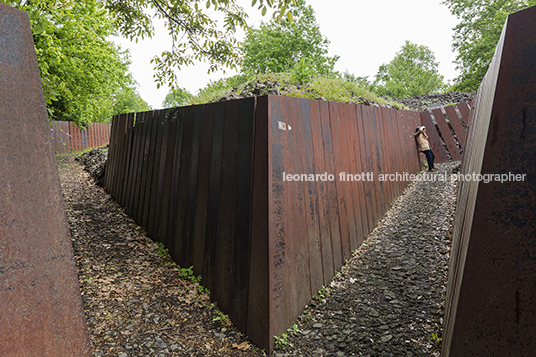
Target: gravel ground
[386,301]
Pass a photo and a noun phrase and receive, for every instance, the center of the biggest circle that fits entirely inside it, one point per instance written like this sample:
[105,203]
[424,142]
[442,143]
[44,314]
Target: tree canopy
[476,36]
[127,100]
[413,72]
[177,97]
[202,30]
[279,46]
[80,70]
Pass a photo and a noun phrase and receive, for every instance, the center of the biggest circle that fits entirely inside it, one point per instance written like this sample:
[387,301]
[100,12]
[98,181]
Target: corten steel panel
[339,246]
[61,140]
[393,144]
[186,184]
[201,194]
[240,263]
[447,135]
[331,202]
[75,137]
[133,163]
[365,166]
[434,139]
[154,223]
[172,117]
[385,153]
[169,214]
[143,158]
[345,113]
[187,235]
[154,166]
[41,311]
[153,127]
[491,290]
[359,199]
[114,169]
[108,176]
[89,132]
[309,247]
[139,130]
[456,125]
[288,243]
[378,154]
[259,328]
[320,193]
[137,148]
[157,179]
[84,138]
[148,165]
[211,234]
[280,278]
[125,189]
[122,152]
[369,162]
[227,206]
[465,111]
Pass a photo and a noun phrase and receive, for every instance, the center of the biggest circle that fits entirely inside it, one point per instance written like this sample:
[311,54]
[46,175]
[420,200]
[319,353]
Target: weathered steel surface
[41,311]
[61,139]
[491,293]
[456,125]
[67,137]
[208,182]
[448,138]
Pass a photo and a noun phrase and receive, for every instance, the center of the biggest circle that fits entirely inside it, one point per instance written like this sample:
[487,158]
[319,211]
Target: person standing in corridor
[424,146]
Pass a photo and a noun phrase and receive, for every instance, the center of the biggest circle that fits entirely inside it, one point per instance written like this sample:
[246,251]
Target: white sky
[364,33]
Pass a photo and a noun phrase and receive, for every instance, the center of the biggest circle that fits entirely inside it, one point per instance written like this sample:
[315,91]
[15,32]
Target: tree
[127,100]
[194,28]
[412,72]
[476,36]
[177,97]
[278,46]
[80,70]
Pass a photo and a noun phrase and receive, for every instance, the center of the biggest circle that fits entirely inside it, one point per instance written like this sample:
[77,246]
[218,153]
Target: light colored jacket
[422,140]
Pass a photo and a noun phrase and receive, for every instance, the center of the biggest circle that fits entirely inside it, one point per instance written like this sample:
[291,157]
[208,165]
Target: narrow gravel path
[386,301]
[137,301]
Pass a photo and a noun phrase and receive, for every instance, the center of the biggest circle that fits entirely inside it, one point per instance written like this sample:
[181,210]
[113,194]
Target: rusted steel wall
[67,137]
[315,225]
[61,138]
[41,312]
[447,128]
[491,294]
[209,182]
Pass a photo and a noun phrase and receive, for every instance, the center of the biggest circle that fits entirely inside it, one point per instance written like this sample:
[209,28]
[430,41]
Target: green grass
[319,87]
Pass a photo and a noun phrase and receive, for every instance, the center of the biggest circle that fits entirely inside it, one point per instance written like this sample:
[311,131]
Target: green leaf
[290,17]
[264,11]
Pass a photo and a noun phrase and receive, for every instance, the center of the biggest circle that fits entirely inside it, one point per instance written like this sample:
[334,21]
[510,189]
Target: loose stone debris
[386,301]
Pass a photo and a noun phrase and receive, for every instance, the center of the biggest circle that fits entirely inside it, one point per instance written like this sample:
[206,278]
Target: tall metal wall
[41,311]
[491,294]
[207,181]
[67,137]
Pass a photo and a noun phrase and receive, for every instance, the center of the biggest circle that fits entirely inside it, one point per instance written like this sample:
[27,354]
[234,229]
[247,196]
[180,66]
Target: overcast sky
[364,33]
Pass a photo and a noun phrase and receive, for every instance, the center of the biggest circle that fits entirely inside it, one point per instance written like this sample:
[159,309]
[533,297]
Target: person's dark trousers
[430,158]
